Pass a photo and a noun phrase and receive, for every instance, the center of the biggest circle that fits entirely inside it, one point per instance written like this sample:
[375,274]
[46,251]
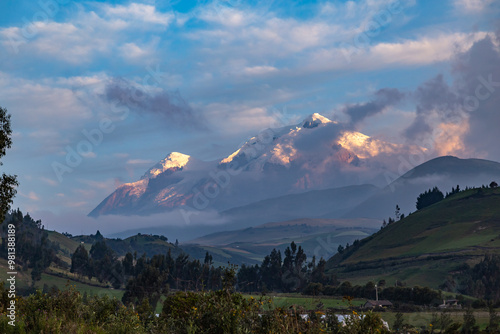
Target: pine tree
[80,261]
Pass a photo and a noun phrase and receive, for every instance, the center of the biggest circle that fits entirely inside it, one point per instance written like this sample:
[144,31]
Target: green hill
[429,245]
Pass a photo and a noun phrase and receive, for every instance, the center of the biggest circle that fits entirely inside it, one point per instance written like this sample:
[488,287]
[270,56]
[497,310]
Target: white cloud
[138,13]
[134,53]
[260,70]
[472,6]
[226,16]
[55,107]
[424,50]
[89,34]
[238,118]
[275,37]
[73,43]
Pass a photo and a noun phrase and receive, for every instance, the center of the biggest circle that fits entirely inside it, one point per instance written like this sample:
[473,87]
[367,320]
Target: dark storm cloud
[171,106]
[384,98]
[474,95]
[434,97]
[479,86]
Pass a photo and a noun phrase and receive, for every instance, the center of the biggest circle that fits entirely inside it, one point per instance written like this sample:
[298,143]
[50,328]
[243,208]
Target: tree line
[34,250]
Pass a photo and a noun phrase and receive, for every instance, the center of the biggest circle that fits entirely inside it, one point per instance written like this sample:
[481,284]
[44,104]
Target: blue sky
[207,75]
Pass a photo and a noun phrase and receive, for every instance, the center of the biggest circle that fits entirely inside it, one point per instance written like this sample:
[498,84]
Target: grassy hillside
[425,246]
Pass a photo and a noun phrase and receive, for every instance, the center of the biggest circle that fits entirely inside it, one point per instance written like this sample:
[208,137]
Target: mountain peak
[174,160]
[314,120]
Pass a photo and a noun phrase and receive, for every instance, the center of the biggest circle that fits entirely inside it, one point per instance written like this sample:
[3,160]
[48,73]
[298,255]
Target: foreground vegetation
[221,311]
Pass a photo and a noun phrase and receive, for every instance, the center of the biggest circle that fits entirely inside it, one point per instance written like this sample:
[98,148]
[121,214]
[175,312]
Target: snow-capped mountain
[315,154]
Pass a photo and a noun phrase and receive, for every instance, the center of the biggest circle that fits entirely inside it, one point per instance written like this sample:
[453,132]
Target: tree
[33,247]
[80,261]
[494,325]
[493,184]
[128,264]
[271,272]
[399,322]
[469,325]
[102,261]
[8,183]
[429,197]
[208,259]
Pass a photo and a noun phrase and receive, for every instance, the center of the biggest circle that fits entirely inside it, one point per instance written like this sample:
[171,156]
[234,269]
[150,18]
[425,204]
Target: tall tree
[80,263]
[102,261]
[8,183]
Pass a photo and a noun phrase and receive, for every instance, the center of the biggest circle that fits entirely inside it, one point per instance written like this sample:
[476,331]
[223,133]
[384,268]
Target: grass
[423,319]
[456,223]
[62,284]
[23,278]
[66,244]
[459,229]
[416,319]
[23,281]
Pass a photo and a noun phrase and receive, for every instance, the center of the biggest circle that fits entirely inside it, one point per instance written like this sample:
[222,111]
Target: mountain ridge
[444,172]
[315,154]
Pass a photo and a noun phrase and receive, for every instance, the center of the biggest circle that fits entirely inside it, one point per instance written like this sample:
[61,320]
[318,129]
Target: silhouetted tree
[128,264]
[102,261]
[80,263]
[429,197]
[208,259]
[33,247]
[271,272]
[398,212]
[8,183]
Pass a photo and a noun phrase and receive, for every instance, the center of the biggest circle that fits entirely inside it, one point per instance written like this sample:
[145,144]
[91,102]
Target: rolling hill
[429,245]
[326,203]
[144,244]
[318,237]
